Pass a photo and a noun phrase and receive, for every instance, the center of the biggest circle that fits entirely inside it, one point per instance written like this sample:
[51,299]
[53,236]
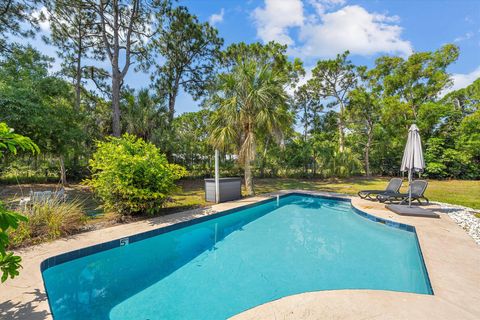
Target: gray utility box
[230,189]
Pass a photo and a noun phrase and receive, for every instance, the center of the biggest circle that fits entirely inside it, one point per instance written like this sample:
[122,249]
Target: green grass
[191,195]
[191,192]
[460,192]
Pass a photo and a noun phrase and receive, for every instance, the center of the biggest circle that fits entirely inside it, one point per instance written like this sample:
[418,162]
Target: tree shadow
[24,311]
[185,213]
[449,210]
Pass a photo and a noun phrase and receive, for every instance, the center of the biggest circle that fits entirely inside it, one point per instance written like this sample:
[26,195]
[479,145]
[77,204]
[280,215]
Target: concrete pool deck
[451,256]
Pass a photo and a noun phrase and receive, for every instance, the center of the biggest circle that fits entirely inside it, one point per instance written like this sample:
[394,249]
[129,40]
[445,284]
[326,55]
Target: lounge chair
[393,186]
[418,188]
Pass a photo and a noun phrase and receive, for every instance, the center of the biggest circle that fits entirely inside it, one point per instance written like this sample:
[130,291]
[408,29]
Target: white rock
[464,217]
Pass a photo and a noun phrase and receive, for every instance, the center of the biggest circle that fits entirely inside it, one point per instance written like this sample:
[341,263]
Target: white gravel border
[464,217]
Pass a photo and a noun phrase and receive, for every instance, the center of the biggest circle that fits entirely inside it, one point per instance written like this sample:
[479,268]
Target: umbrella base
[404,210]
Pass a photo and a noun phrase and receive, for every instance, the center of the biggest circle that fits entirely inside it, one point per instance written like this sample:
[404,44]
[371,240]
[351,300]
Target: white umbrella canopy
[412,156]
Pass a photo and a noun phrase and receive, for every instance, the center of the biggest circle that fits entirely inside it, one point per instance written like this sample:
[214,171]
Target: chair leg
[427,202]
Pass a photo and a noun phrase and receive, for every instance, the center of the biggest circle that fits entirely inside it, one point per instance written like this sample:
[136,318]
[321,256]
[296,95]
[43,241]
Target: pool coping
[461,301]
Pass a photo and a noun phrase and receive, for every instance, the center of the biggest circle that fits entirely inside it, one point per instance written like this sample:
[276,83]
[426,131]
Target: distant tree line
[345,120]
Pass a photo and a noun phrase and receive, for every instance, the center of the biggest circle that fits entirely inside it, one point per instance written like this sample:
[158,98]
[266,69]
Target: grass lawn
[191,195]
[461,192]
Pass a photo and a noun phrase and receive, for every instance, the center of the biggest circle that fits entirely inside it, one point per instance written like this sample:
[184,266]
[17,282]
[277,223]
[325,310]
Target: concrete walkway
[451,256]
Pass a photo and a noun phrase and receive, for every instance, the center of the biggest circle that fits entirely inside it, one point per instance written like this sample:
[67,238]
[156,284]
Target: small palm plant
[250,102]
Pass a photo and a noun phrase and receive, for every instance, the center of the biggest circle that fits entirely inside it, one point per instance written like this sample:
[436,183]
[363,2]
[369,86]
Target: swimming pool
[218,266]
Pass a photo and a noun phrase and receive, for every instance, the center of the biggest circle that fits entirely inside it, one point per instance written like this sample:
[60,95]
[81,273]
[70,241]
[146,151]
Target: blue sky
[318,29]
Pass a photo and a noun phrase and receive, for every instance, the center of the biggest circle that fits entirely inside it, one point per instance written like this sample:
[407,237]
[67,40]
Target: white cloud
[330,30]
[43,15]
[462,80]
[216,17]
[355,29]
[466,36]
[469,20]
[274,20]
[323,5]
[303,80]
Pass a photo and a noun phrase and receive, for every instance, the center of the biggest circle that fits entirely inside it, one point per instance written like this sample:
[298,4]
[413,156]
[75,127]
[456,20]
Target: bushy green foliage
[131,176]
[48,220]
[9,220]
[9,263]
[11,141]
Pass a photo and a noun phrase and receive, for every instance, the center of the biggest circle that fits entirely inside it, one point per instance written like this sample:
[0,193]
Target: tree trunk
[367,153]
[78,76]
[367,161]
[341,136]
[63,173]
[341,127]
[171,106]
[172,97]
[116,104]
[249,178]
[262,168]
[78,81]
[264,159]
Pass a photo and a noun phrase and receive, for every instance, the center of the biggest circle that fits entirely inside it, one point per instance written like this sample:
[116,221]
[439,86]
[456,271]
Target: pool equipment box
[230,189]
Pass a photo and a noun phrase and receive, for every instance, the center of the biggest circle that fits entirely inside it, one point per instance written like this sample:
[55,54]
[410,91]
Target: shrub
[48,220]
[10,142]
[131,176]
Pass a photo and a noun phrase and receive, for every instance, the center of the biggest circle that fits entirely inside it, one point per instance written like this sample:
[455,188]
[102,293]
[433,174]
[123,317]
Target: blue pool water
[223,266]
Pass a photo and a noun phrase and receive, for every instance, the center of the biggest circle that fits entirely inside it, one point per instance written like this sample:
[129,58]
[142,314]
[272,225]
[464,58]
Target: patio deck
[451,256]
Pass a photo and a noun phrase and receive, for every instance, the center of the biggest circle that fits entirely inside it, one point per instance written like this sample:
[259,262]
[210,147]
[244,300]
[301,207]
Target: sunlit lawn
[461,192]
[191,192]
[191,195]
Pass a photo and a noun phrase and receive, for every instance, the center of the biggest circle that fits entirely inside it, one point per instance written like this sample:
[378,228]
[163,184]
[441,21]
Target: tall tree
[13,15]
[187,51]
[71,30]
[250,99]
[333,79]
[364,112]
[308,107]
[418,79]
[38,104]
[124,27]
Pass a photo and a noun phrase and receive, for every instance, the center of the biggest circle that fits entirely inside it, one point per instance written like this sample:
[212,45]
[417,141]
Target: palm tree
[250,102]
[143,115]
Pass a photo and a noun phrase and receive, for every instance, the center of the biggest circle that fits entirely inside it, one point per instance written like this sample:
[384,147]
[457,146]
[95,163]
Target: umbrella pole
[410,188]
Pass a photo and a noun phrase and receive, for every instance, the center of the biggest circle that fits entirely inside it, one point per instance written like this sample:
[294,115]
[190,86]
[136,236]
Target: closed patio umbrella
[412,157]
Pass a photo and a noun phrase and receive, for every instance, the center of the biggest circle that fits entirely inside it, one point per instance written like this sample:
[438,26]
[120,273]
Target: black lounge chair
[393,186]
[418,188]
